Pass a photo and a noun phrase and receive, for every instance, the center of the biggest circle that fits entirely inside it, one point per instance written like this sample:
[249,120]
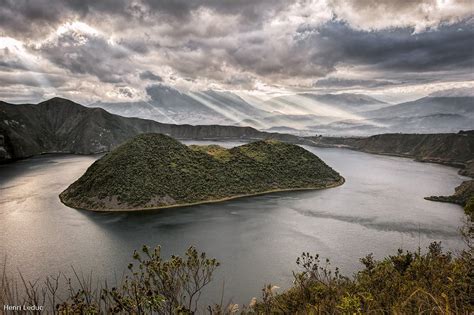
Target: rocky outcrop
[461,195]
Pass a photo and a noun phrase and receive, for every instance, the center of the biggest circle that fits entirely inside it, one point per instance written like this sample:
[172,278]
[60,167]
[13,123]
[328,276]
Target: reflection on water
[379,209]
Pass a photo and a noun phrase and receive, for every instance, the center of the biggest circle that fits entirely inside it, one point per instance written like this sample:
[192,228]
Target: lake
[257,239]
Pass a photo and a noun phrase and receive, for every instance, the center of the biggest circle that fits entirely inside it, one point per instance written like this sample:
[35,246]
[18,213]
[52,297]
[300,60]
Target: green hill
[155,171]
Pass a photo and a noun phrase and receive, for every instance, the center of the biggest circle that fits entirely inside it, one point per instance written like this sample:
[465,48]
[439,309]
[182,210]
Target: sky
[115,50]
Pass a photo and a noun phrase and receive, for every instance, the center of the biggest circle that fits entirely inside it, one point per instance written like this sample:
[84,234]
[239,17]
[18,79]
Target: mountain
[301,111]
[169,105]
[144,110]
[232,106]
[426,115]
[417,124]
[154,171]
[60,125]
[427,106]
[332,105]
[349,101]
[343,114]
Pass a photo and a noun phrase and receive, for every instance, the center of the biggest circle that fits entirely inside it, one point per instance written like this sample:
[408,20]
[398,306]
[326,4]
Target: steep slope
[60,125]
[154,171]
[452,149]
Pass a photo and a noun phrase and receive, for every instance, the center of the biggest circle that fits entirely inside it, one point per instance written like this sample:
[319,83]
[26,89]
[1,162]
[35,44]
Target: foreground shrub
[406,283]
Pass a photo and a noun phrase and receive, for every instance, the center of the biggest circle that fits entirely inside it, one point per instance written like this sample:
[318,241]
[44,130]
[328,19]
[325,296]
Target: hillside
[155,171]
[60,125]
[450,148]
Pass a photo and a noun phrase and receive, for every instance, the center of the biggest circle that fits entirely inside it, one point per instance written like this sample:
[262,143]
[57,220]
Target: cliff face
[60,125]
[451,149]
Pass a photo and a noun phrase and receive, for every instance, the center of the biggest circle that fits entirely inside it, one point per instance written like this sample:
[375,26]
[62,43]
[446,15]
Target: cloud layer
[114,49]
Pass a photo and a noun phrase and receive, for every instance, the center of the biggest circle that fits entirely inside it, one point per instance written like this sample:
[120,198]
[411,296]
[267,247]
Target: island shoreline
[332,185]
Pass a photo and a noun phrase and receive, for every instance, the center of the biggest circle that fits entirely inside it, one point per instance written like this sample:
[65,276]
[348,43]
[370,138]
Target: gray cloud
[447,48]
[30,79]
[148,75]
[84,53]
[242,44]
[334,82]
[126,92]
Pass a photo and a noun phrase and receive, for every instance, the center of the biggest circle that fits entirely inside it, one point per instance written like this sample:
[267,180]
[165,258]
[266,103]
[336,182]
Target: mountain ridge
[62,126]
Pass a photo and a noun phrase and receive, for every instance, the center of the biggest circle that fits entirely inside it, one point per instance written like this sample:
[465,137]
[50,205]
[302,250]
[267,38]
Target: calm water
[380,208]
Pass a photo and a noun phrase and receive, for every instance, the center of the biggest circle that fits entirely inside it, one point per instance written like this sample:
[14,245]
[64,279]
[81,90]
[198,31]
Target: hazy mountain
[334,105]
[456,92]
[230,105]
[306,114]
[425,115]
[353,103]
[427,106]
[299,111]
[296,122]
[169,105]
[437,123]
[60,125]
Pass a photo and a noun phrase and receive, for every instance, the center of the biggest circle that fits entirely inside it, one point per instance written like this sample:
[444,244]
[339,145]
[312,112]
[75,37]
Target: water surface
[380,208]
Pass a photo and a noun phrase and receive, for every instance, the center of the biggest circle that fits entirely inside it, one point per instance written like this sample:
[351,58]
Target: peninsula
[153,171]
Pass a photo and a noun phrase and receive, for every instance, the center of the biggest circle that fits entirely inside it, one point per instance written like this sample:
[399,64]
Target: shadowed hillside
[60,125]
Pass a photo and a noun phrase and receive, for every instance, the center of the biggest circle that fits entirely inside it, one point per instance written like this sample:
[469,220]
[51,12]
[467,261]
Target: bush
[405,283]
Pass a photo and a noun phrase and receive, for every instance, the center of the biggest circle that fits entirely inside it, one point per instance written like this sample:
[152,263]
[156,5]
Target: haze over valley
[341,114]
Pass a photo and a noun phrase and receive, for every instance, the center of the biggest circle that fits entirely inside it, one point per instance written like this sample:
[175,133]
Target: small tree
[163,286]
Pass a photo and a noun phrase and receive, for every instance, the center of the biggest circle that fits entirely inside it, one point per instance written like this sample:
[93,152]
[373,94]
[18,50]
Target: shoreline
[333,185]
[454,164]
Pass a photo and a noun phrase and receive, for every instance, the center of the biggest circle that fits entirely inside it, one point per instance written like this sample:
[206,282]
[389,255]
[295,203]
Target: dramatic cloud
[114,49]
[417,14]
[450,47]
[351,83]
[148,75]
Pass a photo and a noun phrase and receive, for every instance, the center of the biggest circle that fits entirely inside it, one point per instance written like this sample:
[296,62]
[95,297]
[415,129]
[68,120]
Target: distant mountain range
[62,126]
[168,105]
[304,114]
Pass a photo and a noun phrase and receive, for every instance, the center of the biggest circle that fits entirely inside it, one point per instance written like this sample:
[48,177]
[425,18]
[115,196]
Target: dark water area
[380,208]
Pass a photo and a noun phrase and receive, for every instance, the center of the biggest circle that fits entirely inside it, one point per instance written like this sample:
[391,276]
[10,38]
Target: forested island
[154,171]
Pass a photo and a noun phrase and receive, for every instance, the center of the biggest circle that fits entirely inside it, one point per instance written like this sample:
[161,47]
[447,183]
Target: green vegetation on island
[155,171]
